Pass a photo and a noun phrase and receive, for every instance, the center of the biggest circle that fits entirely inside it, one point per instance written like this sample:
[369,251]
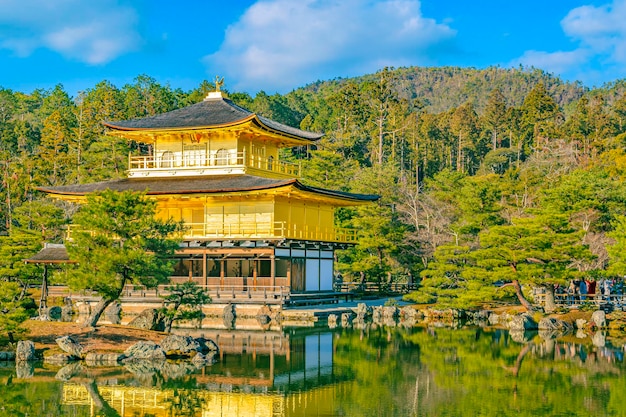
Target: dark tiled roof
[175,185]
[198,185]
[212,112]
[351,196]
[50,254]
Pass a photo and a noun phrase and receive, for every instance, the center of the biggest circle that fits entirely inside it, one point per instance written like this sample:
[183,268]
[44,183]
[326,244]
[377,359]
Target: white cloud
[599,29]
[599,37]
[95,31]
[280,44]
[556,62]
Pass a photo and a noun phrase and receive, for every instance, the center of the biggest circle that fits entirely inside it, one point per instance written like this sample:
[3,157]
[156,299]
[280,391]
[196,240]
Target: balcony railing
[260,230]
[264,230]
[191,164]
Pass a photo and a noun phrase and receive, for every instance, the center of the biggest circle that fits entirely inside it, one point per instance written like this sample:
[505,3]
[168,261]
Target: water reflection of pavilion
[258,374]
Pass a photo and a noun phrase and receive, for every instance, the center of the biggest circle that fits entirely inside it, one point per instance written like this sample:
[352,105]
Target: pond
[376,371]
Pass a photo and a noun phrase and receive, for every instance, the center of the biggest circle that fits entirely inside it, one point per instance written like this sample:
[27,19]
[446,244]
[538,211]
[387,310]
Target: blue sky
[279,45]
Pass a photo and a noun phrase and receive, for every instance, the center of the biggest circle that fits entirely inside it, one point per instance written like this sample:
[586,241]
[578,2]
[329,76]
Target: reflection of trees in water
[384,366]
[494,375]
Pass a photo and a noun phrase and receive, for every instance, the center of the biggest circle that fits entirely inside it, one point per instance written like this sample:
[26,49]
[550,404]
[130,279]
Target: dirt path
[104,338]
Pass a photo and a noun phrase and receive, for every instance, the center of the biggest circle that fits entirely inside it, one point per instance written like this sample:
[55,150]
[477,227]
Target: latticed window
[221,157]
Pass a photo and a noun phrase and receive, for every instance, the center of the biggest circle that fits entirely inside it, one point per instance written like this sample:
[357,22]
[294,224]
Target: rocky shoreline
[202,351]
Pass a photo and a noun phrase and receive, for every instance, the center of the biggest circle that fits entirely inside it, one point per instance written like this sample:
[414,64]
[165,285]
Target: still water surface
[344,372]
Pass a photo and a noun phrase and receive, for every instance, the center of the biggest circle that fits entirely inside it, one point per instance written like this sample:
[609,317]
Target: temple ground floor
[293,266]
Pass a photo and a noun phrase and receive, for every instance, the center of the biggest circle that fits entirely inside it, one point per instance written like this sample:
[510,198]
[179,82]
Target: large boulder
[144,350]
[207,346]
[549,323]
[25,351]
[70,345]
[599,318]
[150,319]
[177,345]
[103,359]
[522,322]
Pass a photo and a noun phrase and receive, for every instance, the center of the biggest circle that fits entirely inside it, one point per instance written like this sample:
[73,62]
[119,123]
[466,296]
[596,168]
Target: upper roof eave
[215,113]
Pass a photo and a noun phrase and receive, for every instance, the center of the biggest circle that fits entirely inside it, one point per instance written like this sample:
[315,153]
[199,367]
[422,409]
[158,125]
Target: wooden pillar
[273,269]
[43,302]
[205,277]
[222,263]
[255,268]
[289,277]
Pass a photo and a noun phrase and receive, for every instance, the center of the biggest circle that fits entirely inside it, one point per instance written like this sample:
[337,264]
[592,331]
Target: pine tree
[119,241]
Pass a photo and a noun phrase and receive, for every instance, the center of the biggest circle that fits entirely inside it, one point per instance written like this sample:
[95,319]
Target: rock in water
[522,322]
[207,345]
[144,350]
[599,318]
[549,323]
[176,345]
[25,351]
[69,345]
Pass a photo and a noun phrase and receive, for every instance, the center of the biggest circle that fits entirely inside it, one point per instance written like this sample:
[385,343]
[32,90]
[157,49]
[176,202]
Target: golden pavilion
[250,222]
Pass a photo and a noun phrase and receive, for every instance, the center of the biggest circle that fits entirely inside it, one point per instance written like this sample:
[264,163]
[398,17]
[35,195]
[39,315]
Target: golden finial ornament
[219,82]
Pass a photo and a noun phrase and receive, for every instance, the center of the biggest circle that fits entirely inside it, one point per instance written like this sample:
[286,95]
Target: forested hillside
[484,175]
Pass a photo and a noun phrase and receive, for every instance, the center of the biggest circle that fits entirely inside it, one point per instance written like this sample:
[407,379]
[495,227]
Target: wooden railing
[208,163]
[228,292]
[376,287]
[578,300]
[258,230]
